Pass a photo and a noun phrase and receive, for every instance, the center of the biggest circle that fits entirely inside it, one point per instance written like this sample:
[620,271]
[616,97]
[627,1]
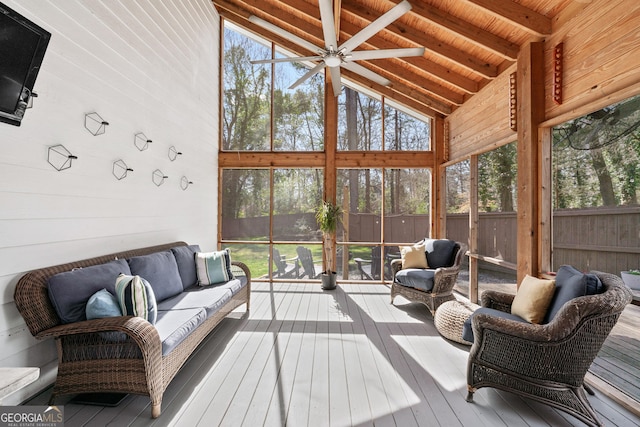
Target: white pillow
[414,256]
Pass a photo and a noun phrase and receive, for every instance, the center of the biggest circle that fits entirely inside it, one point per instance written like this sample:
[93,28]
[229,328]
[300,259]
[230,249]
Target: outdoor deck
[344,357]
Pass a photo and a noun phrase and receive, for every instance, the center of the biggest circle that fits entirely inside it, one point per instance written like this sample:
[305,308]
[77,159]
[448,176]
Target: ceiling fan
[334,56]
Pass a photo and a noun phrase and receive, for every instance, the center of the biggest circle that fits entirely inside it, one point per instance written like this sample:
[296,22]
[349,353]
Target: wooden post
[530,101]
[330,148]
[473,229]
[438,212]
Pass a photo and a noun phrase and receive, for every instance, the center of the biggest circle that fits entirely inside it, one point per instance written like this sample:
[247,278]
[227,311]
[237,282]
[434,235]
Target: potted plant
[328,217]
[631,278]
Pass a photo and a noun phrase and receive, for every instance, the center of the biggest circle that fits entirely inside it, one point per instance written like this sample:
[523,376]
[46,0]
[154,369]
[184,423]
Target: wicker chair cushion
[160,269]
[419,278]
[185,258]
[213,267]
[175,325]
[467,329]
[69,291]
[440,252]
[533,298]
[210,298]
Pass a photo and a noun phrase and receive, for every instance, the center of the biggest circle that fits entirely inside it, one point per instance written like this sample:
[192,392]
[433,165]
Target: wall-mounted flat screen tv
[22,48]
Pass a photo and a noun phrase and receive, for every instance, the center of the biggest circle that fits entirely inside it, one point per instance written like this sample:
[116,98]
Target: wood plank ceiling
[467,42]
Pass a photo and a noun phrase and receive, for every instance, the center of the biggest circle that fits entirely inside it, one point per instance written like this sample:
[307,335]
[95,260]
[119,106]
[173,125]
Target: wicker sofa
[127,354]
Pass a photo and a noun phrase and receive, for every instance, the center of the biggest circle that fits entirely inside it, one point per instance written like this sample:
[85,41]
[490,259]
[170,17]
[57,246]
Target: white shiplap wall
[147,66]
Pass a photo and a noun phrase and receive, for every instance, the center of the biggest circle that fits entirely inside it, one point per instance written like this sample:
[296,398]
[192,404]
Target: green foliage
[497,174]
[596,158]
[328,217]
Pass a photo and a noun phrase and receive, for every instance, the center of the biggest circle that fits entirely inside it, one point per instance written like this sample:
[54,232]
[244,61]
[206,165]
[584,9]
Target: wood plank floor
[307,357]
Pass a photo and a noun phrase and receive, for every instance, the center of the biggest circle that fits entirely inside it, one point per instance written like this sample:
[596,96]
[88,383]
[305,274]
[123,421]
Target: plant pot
[631,280]
[329,280]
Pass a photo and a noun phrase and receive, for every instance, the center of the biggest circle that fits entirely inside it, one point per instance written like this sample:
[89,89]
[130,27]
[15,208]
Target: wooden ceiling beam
[436,70]
[470,32]
[444,50]
[525,18]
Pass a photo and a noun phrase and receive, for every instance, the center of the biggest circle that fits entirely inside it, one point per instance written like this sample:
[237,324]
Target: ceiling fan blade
[366,73]
[294,59]
[328,27]
[307,75]
[367,32]
[335,80]
[283,33]
[384,53]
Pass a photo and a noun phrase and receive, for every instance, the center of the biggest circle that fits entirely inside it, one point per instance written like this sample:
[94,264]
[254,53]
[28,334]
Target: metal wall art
[141,141]
[158,177]
[173,153]
[59,157]
[95,124]
[185,183]
[120,169]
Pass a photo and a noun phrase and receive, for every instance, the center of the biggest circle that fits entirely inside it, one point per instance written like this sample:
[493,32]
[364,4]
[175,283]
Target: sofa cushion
[185,258]
[467,329]
[136,298]
[440,252]
[175,325]
[213,267]
[102,304]
[414,256]
[69,291]
[160,269]
[570,284]
[210,298]
[419,278]
[533,298]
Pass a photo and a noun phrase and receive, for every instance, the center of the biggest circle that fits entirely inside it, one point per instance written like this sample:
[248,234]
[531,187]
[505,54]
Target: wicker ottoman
[450,317]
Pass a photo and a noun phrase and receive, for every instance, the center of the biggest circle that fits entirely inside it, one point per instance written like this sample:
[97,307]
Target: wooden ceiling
[467,42]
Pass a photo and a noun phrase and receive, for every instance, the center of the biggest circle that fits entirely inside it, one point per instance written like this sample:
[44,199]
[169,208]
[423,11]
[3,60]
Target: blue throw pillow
[213,267]
[161,270]
[136,297]
[185,257]
[103,304]
[69,291]
[570,284]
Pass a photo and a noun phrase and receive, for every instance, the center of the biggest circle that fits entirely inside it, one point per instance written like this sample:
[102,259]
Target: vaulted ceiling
[467,42]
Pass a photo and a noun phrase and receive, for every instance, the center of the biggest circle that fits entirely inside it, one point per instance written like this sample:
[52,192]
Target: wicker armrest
[497,300]
[240,269]
[396,265]
[140,330]
[529,331]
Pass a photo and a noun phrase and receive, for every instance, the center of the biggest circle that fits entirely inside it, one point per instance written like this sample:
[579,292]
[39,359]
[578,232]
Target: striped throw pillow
[213,267]
[136,297]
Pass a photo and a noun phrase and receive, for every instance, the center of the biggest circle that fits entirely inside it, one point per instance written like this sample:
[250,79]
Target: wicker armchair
[546,362]
[444,278]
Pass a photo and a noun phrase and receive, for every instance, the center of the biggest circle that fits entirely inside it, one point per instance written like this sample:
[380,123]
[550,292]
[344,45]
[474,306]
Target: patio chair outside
[306,260]
[285,270]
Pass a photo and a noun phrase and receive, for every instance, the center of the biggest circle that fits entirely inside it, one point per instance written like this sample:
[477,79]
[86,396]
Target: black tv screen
[22,48]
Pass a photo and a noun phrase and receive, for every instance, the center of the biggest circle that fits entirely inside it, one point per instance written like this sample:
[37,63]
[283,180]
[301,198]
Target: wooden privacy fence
[605,239]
